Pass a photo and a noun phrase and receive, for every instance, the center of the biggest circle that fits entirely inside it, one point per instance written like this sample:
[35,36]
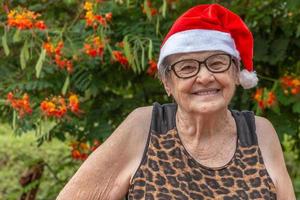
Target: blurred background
[72,70]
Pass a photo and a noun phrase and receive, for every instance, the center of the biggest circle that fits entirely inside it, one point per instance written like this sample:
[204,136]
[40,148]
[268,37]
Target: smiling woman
[195,148]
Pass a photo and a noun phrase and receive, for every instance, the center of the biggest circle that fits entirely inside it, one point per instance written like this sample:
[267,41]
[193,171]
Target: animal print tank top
[167,171]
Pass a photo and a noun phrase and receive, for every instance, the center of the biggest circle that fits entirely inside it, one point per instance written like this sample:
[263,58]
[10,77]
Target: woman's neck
[204,134]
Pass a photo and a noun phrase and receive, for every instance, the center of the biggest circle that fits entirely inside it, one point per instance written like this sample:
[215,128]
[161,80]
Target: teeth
[207,92]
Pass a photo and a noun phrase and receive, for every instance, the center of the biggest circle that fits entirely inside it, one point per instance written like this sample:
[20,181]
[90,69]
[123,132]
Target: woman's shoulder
[107,171]
[272,154]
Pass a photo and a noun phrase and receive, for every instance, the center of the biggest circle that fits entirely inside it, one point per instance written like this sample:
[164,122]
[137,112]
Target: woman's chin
[208,107]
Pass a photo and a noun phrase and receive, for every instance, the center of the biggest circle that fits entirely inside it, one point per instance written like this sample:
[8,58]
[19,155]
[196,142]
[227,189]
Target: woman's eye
[216,64]
[187,68]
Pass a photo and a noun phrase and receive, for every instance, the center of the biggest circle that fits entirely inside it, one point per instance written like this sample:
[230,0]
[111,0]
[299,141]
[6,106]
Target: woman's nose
[204,76]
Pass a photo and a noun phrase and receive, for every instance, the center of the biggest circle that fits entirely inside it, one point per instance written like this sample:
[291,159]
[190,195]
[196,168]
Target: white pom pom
[248,79]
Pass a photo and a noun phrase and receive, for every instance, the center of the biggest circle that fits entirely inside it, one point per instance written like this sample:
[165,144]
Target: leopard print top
[168,171]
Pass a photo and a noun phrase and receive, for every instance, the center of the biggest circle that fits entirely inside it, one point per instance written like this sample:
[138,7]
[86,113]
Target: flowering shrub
[24,19]
[21,105]
[81,150]
[74,69]
[97,56]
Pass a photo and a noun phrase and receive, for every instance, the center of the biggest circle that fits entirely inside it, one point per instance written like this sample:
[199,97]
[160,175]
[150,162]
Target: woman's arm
[273,157]
[106,173]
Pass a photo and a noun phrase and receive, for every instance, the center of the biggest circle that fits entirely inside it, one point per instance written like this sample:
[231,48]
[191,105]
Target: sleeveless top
[168,171]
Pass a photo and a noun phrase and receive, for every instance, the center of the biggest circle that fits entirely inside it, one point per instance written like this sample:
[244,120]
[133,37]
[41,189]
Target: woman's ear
[237,71]
[166,83]
[237,78]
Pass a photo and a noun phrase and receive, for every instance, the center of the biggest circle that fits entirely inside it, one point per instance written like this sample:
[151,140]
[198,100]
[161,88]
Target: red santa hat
[211,27]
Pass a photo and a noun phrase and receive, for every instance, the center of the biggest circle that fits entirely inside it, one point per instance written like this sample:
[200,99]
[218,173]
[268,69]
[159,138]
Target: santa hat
[212,27]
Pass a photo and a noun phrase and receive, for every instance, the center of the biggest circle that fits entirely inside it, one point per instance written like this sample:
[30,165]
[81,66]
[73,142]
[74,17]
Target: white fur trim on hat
[248,79]
[198,40]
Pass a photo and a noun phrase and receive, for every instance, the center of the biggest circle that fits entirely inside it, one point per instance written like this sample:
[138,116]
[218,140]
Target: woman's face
[206,92]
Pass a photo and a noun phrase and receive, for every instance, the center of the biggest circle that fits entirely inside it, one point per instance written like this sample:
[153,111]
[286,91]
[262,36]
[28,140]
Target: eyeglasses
[188,68]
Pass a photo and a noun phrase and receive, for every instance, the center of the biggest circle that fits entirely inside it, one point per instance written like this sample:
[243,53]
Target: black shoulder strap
[246,127]
[163,117]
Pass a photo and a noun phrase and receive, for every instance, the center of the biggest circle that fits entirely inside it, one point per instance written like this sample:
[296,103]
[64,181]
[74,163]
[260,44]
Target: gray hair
[163,70]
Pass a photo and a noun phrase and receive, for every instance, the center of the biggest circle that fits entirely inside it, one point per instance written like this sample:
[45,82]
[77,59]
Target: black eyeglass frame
[171,67]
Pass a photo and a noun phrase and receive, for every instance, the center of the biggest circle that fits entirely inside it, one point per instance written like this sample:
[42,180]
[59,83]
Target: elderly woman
[196,148]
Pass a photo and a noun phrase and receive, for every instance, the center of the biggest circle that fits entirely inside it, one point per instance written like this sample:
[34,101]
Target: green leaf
[16,37]
[157,26]
[44,128]
[164,8]
[3,102]
[127,49]
[147,10]
[150,48]
[39,64]
[14,122]
[24,55]
[66,85]
[4,43]
[296,107]
[143,58]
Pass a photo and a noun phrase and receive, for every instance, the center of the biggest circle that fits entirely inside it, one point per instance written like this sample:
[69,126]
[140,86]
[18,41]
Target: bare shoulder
[272,154]
[265,132]
[107,171]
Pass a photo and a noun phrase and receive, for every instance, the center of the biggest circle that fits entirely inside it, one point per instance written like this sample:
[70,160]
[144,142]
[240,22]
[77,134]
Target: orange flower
[92,19]
[49,48]
[153,11]
[81,150]
[56,107]
[264,98]
[40,25]
[88,6]
[76,154]
[290,84]
[271,99]
[95,47]
[258,94]
[55,52]
[24,19]
[152,67]
[74,103]
[118,56]
[108,16]
[21,105]
[101,20]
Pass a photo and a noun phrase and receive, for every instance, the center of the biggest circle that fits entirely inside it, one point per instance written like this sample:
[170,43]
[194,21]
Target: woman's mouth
[206,92]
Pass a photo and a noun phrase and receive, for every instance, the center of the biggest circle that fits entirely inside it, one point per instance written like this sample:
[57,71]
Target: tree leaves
[4,43]
[66,86]
[24,55]
[39,64]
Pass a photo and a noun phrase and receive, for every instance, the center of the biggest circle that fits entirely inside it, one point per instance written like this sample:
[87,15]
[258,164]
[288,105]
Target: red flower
[81,150]
[74,103]
[40,25]
[271,99]
[21,105]
[24,19]
[56,107]
[75,154]
[264,98]
[101,20]
[108,16]
[94,47]
[152,67]
[290,84]
[56,54]
[118,56]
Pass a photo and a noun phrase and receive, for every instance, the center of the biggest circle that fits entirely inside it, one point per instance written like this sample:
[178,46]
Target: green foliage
[108,90]
[18,153]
